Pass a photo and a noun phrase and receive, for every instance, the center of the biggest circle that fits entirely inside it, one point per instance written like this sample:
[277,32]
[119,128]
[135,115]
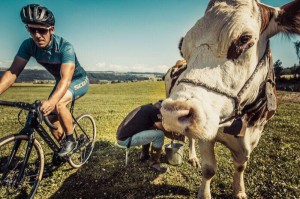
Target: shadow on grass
[105,176]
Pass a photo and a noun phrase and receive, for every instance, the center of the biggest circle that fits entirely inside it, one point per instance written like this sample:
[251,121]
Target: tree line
[290,72]
[288,78]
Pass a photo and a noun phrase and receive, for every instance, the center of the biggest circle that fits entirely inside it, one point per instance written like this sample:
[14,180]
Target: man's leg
[58,134]
[145,155]
[155,160]
[64,114]
[156,150]
[146,137]
[65,119]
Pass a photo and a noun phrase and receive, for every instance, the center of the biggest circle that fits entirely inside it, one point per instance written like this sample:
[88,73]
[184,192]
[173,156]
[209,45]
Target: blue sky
[121,35]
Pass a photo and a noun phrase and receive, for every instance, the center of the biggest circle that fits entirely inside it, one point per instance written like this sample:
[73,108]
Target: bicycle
[22,156]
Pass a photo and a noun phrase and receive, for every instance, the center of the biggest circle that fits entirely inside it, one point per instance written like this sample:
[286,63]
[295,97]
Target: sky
[121,35]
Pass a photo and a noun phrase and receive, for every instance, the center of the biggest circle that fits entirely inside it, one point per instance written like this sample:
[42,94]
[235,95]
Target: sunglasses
[41,31]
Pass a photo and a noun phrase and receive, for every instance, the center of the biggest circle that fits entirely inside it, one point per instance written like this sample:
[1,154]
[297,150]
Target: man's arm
[66,72]
[10,75]
[159,126]
[171,135]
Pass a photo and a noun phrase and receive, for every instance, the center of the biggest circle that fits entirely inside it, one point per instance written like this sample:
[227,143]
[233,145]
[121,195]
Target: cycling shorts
[78,87]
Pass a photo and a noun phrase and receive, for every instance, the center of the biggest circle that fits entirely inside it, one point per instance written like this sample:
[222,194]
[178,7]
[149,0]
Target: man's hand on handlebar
[47,107]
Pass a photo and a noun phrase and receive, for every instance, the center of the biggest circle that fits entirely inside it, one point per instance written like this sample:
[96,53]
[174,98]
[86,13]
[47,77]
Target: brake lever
[49,124]
[45,118]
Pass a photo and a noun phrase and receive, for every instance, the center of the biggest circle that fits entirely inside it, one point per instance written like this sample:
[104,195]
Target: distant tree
[297,47]
[296,72]
[278,68]
[286,71]
[296,68]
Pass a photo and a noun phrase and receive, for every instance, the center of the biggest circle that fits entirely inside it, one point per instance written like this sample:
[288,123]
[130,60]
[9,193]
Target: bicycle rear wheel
[85,133]
[10,187]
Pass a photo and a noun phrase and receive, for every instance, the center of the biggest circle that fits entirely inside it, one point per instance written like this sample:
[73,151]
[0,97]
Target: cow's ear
[267,14]
[184,47]
[288,18]
[180,46]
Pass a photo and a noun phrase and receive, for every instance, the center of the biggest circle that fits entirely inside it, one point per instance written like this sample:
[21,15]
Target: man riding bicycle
[57,56]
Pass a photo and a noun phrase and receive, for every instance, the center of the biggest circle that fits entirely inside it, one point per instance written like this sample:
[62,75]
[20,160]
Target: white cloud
[134,68]
[32,64]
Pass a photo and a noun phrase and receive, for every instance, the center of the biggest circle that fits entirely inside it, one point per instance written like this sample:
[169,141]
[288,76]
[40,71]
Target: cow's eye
[245,39]
[239,46]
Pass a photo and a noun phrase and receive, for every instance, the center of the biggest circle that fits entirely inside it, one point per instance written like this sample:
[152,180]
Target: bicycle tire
[85,145]
[29,184]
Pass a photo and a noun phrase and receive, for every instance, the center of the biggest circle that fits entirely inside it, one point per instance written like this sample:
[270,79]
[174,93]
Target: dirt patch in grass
[289,97]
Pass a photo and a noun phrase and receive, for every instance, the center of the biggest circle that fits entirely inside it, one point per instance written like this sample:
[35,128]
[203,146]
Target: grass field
[273,170]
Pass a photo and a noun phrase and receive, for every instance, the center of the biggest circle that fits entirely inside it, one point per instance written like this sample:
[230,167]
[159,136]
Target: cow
[227,92]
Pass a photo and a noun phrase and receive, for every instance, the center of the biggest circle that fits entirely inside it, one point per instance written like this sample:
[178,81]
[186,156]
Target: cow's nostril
[187,117]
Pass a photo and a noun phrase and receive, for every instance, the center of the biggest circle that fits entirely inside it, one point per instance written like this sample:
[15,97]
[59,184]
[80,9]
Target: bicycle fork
[26,158]
[25,161]
[10,158]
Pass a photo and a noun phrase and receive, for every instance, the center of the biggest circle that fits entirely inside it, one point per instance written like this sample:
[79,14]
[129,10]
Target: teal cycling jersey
[58,52]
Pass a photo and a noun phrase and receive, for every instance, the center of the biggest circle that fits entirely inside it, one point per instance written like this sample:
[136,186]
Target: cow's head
[222,51]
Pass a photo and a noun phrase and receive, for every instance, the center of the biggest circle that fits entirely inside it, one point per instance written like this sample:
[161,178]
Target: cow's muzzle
[179,116]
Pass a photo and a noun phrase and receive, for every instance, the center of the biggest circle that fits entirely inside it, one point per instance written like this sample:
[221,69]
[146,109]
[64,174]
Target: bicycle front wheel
[12,155]
[85,133]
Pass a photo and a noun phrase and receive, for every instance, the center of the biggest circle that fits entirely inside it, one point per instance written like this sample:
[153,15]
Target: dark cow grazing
[227,92]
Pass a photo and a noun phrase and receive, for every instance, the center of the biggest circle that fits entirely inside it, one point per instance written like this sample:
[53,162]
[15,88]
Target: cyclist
[57,56]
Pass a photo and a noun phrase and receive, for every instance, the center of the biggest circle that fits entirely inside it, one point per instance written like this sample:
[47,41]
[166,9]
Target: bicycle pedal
[81,136]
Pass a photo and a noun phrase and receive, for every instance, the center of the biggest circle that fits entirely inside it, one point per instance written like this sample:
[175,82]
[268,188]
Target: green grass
[273,170]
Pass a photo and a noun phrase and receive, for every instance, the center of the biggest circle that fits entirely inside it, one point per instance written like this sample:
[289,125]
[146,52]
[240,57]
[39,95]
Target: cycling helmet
[37,14]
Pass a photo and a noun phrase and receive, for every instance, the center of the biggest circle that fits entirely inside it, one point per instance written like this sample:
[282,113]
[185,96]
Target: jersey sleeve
[26,49]
[68,54]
